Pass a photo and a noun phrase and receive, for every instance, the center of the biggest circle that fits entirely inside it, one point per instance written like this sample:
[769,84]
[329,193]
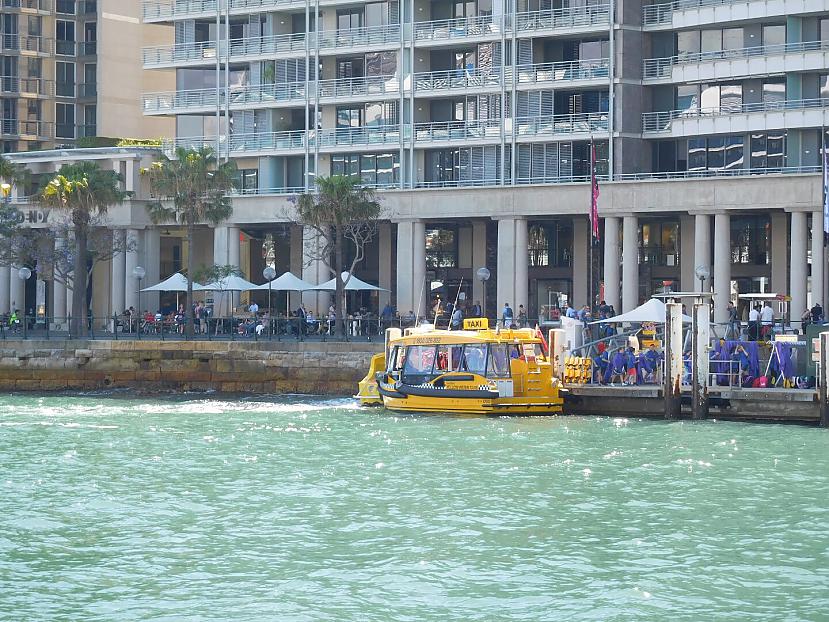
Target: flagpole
[591,225]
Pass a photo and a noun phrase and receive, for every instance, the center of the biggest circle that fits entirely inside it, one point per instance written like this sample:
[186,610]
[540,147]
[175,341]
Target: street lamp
[483,275]
[24,274]
[139,273]
[7,191]
[702,273]
[269,274]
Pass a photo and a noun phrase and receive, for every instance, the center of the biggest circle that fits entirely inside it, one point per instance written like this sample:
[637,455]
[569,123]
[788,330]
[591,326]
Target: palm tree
[342,214]
[85,191]
[192,188]
[10,172]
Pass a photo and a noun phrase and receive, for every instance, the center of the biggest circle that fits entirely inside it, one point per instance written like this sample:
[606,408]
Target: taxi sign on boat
[476,323]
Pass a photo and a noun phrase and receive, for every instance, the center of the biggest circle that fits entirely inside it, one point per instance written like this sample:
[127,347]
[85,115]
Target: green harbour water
[122,507]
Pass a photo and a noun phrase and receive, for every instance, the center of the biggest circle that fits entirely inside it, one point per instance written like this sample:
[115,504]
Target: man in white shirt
[253,308]
[766,320]
[754,323]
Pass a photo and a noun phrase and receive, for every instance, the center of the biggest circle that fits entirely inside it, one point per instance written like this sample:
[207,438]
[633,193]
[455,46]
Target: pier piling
[823,381]
[701,337]
[673,359]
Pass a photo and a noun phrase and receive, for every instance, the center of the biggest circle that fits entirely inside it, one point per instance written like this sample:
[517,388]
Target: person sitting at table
[332,319]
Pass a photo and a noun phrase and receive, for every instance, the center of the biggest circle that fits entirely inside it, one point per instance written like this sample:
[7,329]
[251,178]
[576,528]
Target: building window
[64,120]
[375,169]
[65,37]
[66,7]
[774,34]
[659,243]
[768,150]
[550,244]
[774,91]
[750,240]
[64,79]
[90,120]
[441,248]
[715,153]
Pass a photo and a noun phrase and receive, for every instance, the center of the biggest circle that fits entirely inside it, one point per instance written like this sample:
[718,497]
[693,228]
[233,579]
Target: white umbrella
[176,283]
[287,282]
[651,311]
[230,283]
[354,285]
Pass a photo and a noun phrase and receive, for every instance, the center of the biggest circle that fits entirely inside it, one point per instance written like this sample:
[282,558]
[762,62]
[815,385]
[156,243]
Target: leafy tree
[84,191]
[343,214]
[14,175]
[192,188]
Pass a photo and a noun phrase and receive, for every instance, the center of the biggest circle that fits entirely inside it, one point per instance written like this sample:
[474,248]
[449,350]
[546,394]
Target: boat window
[448,359]
[396,359]
[498,366]
[419,360]
[474,358]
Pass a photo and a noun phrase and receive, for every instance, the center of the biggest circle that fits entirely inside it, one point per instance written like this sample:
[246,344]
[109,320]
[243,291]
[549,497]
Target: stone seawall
[255,367]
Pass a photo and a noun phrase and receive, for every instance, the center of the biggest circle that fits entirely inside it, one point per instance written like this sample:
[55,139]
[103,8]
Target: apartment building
[70,69]
[474,122]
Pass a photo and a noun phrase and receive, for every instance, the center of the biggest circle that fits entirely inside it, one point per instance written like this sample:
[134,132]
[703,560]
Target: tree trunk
[78,326]
[188,309]
[339,296]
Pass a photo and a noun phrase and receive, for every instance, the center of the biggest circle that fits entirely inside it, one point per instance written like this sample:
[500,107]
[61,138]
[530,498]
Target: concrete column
[687,226]
[16,291]
[722,267]
[234,259]
[522,260]
[384,263]
[779,253]
[478,258]
[421,289]
[314,271]
[152,264]
[581,265]
[130,263]
[797,268]
[818,259]
[404,290]
[118,263]
[630,263]
[612,261]
[5,289]
[702,247]
[296,262]
[506,266]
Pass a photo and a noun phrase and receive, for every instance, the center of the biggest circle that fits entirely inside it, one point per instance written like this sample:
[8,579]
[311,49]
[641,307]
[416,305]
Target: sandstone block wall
[255,367]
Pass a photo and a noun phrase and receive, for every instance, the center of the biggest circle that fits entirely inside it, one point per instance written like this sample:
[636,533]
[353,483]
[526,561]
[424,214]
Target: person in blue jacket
[601,364]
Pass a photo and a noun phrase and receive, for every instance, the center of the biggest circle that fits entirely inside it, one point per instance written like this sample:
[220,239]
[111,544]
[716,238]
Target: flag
[594,194]
[825,196]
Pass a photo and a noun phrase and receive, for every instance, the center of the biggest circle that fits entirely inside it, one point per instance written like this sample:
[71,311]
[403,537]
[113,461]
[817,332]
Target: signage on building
[34,216]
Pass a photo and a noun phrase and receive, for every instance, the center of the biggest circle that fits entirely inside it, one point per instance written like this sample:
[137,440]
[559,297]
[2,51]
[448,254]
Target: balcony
[367,37]
[271,95]
[561,125]
[440,83]
[566,73]
[743,62]
[371,136]
[572,19]
[169,10]
[88,90]
[39,130]
[739,119]
[41,6]
[690,13]
[23,43]
[478,28]
[27,86]
[488,131]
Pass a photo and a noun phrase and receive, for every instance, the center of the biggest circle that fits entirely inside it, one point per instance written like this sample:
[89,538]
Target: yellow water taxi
[477,370]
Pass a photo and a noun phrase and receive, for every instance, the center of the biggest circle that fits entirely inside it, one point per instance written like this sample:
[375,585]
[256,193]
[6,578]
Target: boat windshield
[423,363]
[474,358]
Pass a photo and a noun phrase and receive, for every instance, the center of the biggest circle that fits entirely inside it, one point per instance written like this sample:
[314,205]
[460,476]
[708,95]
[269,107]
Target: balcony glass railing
[17,127]
[357,37]
[590,69]
[31,5]
[457,79]
[460,28]
[561,124]
[25,43]
[661,121]
[654,68]
[564,18]
[154,10]
[448,131]
[662,13]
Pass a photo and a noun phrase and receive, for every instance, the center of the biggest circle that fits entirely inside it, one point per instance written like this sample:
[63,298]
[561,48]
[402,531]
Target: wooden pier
[727,403]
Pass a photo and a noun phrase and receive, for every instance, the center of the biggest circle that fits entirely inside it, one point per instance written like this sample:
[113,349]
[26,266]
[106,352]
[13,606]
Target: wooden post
[699,361]
[823,393]
[673,359]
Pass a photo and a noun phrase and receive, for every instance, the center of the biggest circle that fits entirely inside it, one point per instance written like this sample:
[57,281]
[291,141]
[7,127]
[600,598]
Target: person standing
[522,316]
[476,309]
[754,323]
[457,319]
[766,320]
[507,315]
[733,329]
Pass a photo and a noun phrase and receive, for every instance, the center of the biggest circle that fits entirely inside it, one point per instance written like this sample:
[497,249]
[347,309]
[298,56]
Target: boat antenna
[420,300]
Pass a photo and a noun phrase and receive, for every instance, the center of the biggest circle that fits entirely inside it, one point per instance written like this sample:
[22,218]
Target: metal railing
[661,121]
[358,87]
[654,68]
[588,123]
[44,6]
[34,86]
[154,10]
[443,131]
[662,13]
[20,127]
[351,136]
[26,43]
[357,37]
[731,172]
[457,79]
[570,17]
[591,69]
[459,28]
